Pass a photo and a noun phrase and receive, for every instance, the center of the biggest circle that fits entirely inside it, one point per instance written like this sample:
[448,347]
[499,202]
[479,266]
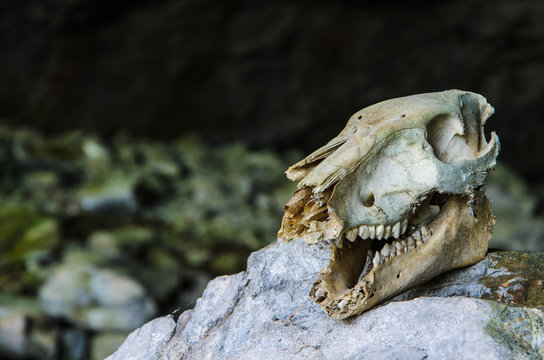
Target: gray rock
[24,332]
[95,298]
[147,342]
[265,313]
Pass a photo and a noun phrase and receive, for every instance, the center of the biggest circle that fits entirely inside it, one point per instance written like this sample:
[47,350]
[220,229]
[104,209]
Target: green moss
[227,263]
[519,329]
[24,233]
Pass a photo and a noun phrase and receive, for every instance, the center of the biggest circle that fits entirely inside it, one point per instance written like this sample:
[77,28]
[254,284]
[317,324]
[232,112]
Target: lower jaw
[460,234]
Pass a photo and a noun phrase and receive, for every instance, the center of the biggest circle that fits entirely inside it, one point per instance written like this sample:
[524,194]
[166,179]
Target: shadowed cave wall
[274,74]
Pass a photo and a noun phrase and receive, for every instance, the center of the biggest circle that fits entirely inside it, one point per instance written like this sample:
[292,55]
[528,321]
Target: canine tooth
[399,247]
[419,242]
[377,259]
[372,231]
[379,231]
[396,230]
[404,226]
[385,250]
[411,242]
[363,232]
[351,235]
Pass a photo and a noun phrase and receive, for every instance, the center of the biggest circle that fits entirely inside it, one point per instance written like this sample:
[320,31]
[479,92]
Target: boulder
[491,310]
[95,298]
[25,333]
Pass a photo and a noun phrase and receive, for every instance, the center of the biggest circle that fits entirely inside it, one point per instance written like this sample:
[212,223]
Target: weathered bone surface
[399,193]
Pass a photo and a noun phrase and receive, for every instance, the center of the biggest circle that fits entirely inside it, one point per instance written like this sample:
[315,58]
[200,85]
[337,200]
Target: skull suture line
[400,193]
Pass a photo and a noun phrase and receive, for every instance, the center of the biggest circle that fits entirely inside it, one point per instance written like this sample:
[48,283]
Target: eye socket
[369,201]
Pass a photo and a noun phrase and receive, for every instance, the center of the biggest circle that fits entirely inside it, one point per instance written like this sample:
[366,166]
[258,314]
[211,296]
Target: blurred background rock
[143,143]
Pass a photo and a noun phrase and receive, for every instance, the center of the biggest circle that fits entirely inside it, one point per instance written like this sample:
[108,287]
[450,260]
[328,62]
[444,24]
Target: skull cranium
[400,191]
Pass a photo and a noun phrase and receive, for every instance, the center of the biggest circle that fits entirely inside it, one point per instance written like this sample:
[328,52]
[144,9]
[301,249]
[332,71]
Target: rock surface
[265,313]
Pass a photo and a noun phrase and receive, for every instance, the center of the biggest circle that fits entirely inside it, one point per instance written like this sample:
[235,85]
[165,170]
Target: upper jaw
[456,237]
[379,232]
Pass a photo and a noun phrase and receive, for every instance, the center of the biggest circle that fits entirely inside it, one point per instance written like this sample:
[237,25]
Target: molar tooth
[396,230]
[426,233]
[351,235]
[385,250]
[404,226]
[379,231]
[417,235]
[363,232]
[342,304]
[372,231]
[419,242]
[392,251]
[377,259]
[411,242]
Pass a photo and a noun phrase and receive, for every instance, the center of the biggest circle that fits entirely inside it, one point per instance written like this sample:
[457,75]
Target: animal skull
[400,193]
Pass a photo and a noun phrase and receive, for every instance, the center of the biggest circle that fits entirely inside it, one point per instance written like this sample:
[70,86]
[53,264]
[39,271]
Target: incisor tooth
[404,226]
[379,231]
[396,230]
[377,259]
[363,232]
[351,235]
[385,250]
[372,231]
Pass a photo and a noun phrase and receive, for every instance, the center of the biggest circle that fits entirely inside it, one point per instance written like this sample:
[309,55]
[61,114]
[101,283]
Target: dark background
[273,74]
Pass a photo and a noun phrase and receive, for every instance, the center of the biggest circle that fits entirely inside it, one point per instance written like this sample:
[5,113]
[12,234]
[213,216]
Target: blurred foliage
[141,204]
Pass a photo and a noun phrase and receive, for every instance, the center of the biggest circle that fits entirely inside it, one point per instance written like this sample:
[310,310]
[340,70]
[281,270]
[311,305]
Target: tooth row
[389,251]
[378,231]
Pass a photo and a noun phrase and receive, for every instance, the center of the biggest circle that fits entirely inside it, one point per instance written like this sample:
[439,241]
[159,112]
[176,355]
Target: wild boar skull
[400,193]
